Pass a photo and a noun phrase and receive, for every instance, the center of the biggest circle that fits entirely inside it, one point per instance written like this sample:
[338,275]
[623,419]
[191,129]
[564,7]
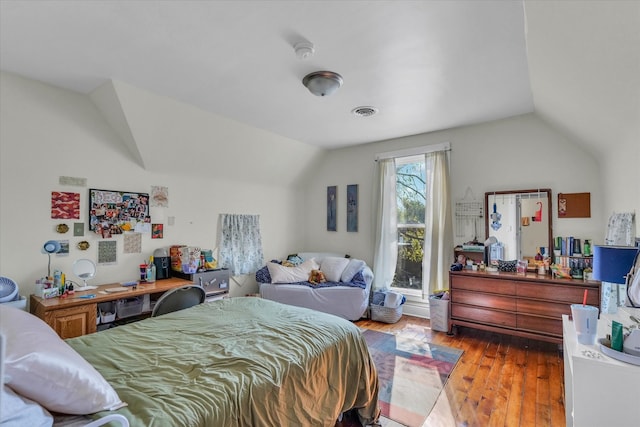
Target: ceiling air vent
[364,111]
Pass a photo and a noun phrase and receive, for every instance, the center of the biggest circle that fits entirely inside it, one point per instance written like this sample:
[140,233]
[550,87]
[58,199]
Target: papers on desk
[117,289]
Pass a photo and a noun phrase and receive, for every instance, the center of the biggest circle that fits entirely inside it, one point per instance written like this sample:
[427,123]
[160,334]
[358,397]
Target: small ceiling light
[322,83]
[304,50]
[364,111]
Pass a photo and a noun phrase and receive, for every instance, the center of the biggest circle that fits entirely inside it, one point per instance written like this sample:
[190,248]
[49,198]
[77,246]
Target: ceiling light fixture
[322,83]
[364,111]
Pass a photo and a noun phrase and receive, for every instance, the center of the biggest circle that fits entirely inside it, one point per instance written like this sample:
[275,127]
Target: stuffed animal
[317,277]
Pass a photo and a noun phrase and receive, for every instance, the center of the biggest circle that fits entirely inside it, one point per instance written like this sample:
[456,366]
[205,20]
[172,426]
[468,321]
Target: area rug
[411,373]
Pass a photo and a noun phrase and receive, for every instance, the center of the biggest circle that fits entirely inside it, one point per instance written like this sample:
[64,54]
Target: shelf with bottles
[576,266]
[572,247]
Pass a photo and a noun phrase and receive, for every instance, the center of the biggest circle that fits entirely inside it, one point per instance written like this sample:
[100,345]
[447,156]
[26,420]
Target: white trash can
[439,312]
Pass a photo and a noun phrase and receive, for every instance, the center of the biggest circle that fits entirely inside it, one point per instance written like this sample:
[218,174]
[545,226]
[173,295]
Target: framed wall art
[332,204]
[352,207]
[114,212]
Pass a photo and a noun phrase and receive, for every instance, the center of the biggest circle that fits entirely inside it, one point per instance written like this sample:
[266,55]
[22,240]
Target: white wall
[48,132]
[512,154]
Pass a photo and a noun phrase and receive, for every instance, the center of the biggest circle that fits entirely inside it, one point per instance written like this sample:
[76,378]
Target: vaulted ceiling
[425,65]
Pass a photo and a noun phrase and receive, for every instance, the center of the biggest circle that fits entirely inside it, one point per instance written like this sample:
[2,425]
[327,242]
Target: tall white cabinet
[599,390]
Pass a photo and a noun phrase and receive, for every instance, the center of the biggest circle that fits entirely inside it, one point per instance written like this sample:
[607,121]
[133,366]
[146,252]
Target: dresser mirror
[520,220]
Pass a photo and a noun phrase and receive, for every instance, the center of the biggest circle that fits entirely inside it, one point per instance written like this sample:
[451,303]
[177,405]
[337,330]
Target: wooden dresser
[525,305]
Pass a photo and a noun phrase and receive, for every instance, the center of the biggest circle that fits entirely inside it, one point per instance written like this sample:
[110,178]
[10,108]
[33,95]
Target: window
[414,240]
[410,208]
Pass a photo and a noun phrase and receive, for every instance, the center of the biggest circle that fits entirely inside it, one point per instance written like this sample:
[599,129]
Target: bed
[234,362]
[345,293]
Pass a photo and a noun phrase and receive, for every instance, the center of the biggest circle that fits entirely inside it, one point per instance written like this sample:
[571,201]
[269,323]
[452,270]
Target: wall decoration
[352,207]
[64,248]
[574,205]
[107,252]
[78,228]
[159,196]
[83,245]
[332,202]
[132,243]
[157,231]
[65,205]
[114,212]
[62,228]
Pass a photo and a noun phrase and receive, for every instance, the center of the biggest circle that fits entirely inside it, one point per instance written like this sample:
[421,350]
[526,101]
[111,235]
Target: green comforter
[236,362]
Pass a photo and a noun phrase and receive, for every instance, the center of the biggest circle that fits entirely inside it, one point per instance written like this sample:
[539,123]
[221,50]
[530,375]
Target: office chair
[178,299]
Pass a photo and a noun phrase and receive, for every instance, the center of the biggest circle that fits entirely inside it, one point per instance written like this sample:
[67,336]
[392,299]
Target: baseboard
[417,309]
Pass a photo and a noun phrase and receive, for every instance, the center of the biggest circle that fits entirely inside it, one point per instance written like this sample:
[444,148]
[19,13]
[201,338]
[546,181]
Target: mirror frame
[536,190]
[76,268]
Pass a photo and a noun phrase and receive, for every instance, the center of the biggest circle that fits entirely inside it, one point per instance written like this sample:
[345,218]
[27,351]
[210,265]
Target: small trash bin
[439,312]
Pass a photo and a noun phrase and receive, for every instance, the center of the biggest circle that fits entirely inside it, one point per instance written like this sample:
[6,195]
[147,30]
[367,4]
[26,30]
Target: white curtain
[386,251]
[240,243]
[438,233]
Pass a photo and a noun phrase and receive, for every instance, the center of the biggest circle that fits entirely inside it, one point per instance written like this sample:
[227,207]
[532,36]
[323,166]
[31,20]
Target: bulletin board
[574,205]
[114,212]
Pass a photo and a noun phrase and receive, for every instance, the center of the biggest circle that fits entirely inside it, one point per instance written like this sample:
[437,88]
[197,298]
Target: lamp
[322,83]
[611,264]
[50,247]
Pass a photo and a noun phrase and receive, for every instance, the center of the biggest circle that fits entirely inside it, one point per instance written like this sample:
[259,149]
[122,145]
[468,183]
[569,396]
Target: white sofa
[348,302]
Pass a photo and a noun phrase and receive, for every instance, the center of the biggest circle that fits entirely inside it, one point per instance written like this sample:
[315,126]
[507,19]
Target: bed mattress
[236,362]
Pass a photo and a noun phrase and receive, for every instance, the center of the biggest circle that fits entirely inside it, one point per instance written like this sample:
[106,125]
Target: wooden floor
[500,380]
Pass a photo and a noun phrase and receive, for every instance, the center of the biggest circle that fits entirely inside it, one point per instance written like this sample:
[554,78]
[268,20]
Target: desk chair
[179,299]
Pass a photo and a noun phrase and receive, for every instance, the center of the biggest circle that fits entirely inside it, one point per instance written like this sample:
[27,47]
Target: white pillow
[16,410]
[299,273]
[332,267]
[354,266]
[42,367]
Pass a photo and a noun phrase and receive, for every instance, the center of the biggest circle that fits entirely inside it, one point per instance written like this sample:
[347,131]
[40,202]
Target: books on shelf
[473,248]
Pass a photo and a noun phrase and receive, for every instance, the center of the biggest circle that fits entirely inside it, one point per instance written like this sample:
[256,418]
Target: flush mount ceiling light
[322,83]
[364,111]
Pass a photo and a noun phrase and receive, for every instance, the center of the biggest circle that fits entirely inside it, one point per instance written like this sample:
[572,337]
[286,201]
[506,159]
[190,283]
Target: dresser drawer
[544,308]
[483,315]
[540,324]
[496,286]
[499,302]
[569,294]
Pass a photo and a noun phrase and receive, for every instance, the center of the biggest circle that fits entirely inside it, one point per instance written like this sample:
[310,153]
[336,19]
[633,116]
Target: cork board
[574,205]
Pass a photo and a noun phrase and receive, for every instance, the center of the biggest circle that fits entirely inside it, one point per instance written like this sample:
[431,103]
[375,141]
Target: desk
[74,316]
[599,391]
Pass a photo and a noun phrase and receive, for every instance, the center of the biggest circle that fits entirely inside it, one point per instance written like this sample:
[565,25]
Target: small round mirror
[84,269]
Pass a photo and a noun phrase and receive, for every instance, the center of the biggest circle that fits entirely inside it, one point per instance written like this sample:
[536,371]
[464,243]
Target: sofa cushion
[299,273]
[332,267]
[351,269]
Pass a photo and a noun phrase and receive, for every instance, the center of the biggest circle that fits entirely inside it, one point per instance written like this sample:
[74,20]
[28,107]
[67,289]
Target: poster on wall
[352,207]
[65,205]
[157,231]
[159,196]
[107,252]
[332,222]
[114,212]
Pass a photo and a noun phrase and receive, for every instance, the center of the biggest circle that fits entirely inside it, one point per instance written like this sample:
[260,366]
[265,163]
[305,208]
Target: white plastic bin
[439,312]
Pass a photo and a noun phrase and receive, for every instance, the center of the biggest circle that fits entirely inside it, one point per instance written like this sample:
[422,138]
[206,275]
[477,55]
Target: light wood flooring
[500,380]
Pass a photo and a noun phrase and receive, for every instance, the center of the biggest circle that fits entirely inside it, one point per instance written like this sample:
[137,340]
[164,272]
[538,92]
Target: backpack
[633,282]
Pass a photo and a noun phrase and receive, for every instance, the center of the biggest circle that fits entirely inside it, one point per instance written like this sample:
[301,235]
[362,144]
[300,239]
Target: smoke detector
[364,111]
[304,50]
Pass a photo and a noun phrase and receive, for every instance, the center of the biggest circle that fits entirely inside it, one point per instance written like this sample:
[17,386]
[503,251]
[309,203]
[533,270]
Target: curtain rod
[445,146]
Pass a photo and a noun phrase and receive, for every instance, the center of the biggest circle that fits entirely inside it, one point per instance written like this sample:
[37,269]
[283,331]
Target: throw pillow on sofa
[332,267]
[354,266]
